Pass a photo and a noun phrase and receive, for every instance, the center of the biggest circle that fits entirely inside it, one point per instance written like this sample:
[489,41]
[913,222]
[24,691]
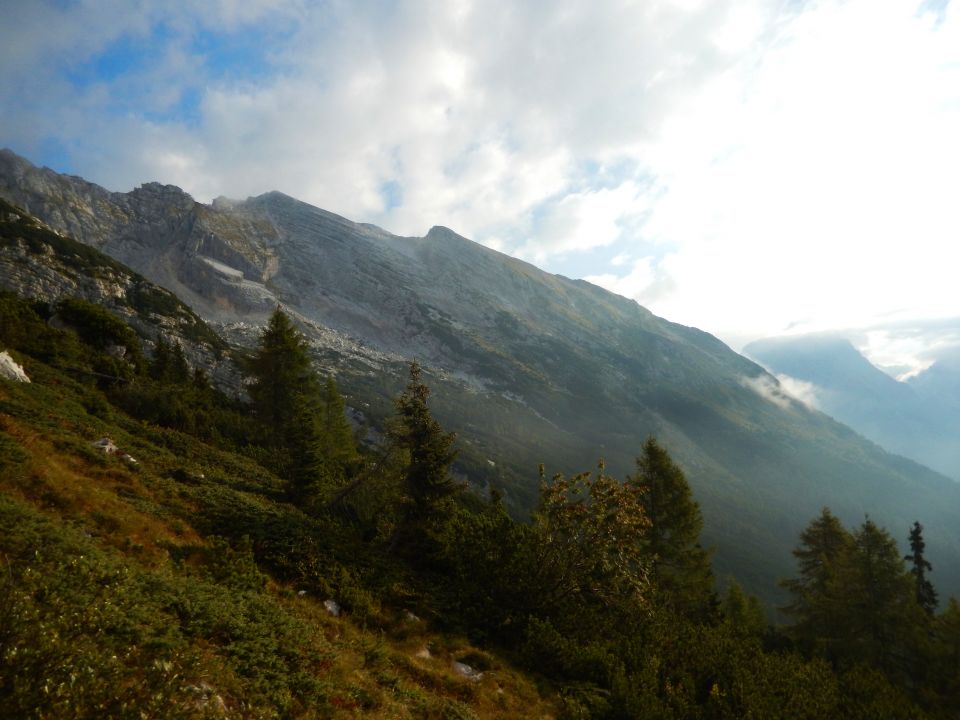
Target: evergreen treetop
[282,371]
[680,567]
[427,478]
[926,595]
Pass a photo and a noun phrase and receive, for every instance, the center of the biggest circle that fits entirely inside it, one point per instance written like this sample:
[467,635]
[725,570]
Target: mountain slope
[919,418]
[528,367]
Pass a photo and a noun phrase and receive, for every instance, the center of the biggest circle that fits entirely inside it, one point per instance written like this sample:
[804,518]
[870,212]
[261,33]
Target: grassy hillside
[132,587]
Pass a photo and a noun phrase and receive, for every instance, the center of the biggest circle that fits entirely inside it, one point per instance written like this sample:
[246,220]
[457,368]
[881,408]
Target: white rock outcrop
[10,370]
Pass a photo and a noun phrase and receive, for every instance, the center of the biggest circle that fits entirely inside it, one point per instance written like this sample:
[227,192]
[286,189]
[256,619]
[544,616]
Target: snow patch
[222,268]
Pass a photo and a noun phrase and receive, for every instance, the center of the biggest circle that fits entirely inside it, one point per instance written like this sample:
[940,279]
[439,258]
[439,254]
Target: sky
[749,167]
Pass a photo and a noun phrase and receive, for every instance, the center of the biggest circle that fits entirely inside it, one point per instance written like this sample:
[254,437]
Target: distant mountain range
[918,418]
[526,366]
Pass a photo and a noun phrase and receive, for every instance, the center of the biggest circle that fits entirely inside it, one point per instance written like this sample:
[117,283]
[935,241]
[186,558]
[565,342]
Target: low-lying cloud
[783,390]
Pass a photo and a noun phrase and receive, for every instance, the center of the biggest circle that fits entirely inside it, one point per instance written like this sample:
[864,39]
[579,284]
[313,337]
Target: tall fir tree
[159,367]
[926,595]
[308,467]
[337,438]
[679,566]
[426,483]
[281,370]
[824,546]
[179,369]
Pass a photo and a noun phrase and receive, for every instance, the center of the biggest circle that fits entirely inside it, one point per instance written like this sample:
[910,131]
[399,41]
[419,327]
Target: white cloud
[584,220]
[783,390]
[816,189]
[767,388]
[805,392]
[481,113]
[754,165]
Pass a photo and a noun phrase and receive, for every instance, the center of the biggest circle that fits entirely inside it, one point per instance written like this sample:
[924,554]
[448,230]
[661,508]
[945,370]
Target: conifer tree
[338,442]
[308,466]
[824,546]
[169,365]
[179,368]
[742,612]
[160,363]
[878,614]
[680,567]
[926,595]
[281,371]
[426,482]
[854,600]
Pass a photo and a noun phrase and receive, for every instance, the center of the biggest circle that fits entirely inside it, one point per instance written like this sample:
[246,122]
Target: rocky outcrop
[11,370]
[39,263]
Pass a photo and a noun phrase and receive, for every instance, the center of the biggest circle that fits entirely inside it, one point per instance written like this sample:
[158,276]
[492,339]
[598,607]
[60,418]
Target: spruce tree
[743,613]
[159,368]
[854,600]
[308,466]
[426,483]
[179,368]
[337,438]
[679,566]
[926,595]
[281,370]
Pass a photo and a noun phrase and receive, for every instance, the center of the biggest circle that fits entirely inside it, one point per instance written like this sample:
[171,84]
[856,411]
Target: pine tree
[824,546]
[337,438]
[680,567]
[281,370]
[426,482]
[160,360]
[926,595]
[308,467]
[179,368]
[854,600]
[743,613]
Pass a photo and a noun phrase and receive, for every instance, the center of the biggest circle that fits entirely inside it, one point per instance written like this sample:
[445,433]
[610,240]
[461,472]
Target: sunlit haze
[751,168]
